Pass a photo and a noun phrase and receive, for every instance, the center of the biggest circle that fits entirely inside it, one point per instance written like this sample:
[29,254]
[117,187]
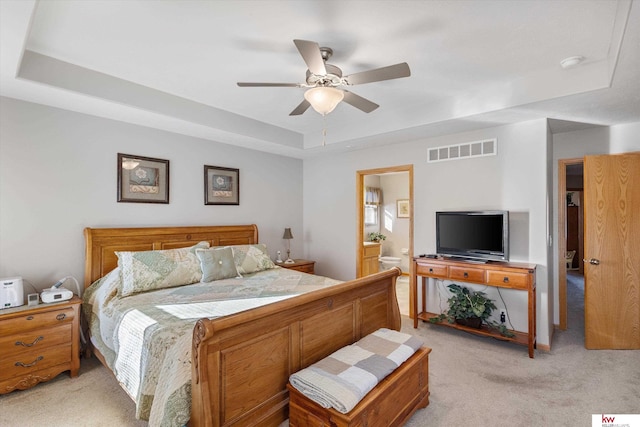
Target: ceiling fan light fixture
[324,99]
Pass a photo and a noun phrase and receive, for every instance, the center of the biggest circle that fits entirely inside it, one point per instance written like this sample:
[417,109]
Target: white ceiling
[174,65]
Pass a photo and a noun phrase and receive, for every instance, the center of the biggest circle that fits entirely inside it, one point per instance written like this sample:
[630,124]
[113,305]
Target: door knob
[592,261]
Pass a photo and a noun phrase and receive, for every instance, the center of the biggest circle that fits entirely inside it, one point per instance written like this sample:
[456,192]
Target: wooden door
[612,251]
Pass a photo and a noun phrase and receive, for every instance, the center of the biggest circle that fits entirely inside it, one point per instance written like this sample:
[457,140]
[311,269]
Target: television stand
[492,273]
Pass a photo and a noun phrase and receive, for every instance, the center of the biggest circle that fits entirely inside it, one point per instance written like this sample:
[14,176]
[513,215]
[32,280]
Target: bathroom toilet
[388,262]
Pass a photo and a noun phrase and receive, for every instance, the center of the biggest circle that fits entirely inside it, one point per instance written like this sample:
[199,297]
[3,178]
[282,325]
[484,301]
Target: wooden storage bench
[391,403]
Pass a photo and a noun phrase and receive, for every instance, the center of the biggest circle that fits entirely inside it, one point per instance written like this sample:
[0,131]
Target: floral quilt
[146,337]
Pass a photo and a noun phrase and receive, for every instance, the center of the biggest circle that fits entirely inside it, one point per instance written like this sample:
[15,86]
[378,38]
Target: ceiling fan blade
[310,52]
[379,74]
[304,105]
[245,84]
[359,102]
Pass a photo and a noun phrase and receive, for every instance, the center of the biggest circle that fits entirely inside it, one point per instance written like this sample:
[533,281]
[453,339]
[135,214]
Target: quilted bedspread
[146,338]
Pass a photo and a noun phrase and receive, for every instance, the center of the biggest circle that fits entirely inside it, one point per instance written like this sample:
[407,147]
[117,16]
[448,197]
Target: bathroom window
[372,199]
[370,214]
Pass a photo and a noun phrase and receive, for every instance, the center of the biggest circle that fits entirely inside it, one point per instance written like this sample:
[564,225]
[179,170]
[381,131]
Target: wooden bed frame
[241,363]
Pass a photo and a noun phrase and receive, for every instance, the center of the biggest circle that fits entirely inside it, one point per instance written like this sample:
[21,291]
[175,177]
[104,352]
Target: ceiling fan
[323,81]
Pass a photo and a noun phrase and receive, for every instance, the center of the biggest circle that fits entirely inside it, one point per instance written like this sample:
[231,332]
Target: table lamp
[288,236]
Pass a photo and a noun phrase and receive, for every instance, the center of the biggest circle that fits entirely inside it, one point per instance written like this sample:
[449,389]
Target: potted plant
[376,237]
[470,308]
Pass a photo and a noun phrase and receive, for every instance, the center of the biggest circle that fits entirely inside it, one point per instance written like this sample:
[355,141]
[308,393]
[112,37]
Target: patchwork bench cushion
[344,378]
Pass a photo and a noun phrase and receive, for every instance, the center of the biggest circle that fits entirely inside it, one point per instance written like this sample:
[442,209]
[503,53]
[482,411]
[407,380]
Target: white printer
[11,292]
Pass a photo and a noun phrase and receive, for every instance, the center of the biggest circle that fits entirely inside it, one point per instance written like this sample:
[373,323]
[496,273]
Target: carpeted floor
[473,381]
[402,292]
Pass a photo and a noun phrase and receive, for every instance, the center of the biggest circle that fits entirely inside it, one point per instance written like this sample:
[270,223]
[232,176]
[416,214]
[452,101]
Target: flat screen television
[479,235]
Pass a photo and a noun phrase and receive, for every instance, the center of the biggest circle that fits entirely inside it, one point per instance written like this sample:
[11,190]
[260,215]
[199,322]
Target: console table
[498,274]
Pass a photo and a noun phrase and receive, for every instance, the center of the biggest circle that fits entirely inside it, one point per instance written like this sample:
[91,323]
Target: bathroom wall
[395,186]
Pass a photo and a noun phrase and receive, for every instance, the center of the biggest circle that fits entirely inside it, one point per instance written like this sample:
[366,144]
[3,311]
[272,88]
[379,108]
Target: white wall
[625,138]
[58,175]
[515,180]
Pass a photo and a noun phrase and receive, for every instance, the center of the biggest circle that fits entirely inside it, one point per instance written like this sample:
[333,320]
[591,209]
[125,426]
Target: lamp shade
[287,234]
[324,99]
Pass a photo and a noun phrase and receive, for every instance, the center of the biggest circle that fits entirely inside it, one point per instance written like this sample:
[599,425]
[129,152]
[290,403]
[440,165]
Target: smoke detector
[571,61]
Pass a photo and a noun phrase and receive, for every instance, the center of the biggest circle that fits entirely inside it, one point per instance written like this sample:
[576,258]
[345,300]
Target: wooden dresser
[38,342]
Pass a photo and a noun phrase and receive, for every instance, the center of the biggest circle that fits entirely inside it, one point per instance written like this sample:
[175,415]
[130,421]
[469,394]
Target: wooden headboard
[102,243]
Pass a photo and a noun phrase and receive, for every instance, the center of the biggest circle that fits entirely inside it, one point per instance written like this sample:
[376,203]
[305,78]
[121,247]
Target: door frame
[360,209]
[562,239]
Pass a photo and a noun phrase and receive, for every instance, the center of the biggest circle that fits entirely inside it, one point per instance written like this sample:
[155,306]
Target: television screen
[473,234]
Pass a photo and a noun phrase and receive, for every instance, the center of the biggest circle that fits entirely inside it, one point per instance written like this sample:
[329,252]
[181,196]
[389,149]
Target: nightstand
[302,265]
[38,342]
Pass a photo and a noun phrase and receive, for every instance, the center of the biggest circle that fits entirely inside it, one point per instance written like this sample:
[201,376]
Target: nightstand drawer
[22,364]
[36,320]
[301,265]
[33,341]
[309,268]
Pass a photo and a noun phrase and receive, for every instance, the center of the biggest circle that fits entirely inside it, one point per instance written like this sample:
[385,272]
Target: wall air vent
[487,147]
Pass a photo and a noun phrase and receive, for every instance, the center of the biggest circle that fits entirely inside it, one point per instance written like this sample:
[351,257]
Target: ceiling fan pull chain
[324,130]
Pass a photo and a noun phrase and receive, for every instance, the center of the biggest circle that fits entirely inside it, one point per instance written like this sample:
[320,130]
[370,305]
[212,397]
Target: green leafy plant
[376,237]
[465,305]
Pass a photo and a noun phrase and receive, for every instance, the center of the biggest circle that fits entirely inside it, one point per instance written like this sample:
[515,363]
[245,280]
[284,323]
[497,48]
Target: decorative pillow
[217,264]
[251,258]
[150,270]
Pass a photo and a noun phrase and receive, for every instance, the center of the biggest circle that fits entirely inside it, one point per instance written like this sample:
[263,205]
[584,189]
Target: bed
[240,363]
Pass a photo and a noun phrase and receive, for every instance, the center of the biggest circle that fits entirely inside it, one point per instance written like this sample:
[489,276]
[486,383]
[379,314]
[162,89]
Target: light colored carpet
[473,380]
[402,293]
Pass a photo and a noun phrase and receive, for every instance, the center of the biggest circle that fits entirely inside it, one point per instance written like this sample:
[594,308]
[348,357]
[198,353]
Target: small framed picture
[402,208]
[221,186]
[142,179]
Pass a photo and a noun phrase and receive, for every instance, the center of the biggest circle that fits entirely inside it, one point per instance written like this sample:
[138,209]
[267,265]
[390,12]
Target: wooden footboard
[241,363]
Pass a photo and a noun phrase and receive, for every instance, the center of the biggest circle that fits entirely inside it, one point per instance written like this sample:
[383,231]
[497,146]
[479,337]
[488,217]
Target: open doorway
[388,216]
[570,236]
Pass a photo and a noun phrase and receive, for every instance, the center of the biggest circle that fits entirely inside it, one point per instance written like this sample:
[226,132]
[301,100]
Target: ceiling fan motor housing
[332,78]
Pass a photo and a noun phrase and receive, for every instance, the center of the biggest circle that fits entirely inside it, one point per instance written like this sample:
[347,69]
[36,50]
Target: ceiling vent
[487,147]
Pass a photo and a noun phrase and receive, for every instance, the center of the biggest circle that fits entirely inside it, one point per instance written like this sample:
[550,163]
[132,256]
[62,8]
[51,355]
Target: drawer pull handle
[40,338]
[466,274]
[431,270]
[505,279]
[29,317]
[28,365]
[61,316]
